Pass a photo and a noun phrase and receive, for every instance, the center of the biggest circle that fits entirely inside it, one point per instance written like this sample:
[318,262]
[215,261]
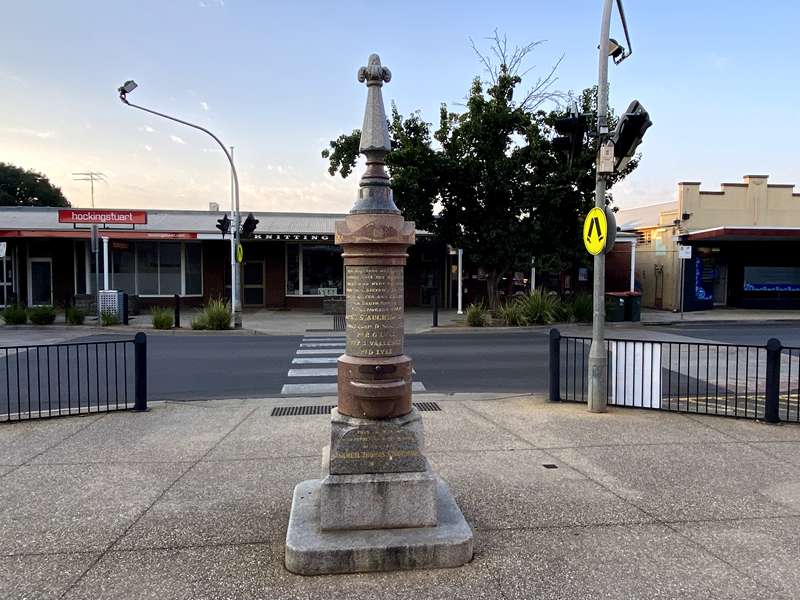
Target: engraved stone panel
[376,449]
[374,310]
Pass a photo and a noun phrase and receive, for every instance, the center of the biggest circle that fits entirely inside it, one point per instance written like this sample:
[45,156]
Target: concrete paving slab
[571,425]
[788,452]
[266,437]
[512,489]
[445,431]
[618,562]
[168,432]
[256,571]
[243,501]
[765,549]
[677,483]
[747,430]
[41,576]
[65,508]
[20,442]
[217,572]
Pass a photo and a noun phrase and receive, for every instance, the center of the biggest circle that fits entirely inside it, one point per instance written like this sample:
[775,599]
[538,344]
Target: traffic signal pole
[598,359]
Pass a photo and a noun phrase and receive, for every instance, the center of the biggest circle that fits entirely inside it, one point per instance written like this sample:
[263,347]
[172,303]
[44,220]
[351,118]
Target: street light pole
[598,361]
[128,87]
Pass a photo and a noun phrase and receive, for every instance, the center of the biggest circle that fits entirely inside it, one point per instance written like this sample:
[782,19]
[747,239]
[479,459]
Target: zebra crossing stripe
[312,372]
[315,360]
[323,345]
[303,389]
[303,351]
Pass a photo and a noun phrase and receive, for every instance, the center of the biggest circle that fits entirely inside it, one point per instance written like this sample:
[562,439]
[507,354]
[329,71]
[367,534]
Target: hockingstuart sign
[102,217]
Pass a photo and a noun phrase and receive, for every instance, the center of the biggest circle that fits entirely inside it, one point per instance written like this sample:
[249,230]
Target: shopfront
[291,262]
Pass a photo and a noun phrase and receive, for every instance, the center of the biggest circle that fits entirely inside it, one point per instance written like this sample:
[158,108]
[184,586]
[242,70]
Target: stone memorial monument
[378,506]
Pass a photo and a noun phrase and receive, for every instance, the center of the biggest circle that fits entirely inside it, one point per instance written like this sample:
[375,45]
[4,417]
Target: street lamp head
[616,51]
[126,88]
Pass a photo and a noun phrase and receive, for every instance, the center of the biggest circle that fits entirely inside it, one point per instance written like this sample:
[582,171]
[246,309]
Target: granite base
[312,551]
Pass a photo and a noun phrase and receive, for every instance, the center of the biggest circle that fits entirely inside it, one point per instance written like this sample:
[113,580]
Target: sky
[277,80]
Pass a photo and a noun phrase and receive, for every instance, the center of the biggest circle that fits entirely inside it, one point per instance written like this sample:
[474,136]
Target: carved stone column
[379,506]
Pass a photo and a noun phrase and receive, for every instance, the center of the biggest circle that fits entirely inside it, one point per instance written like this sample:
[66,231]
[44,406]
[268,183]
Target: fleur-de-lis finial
[374,73]
[375,195]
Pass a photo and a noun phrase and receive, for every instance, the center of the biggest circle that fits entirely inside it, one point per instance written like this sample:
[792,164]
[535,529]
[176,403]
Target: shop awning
[744,234]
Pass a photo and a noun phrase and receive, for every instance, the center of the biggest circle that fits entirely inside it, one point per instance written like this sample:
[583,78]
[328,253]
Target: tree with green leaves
[24,187]
[489,180]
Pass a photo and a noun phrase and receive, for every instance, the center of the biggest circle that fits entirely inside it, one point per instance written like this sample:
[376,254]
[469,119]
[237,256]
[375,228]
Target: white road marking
[336,351]
[315,360]
[299,389]
[312,373]
[323,345]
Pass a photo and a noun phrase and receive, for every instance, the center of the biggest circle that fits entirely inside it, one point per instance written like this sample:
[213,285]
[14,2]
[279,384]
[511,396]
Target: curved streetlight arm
[235,274]
[203,129]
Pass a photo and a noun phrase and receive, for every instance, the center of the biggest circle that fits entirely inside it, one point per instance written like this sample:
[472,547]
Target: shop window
[123,267]
[194,270]
[6,281]
[169,268]
[79,257]
[771,279]
[313,270]
[147,266]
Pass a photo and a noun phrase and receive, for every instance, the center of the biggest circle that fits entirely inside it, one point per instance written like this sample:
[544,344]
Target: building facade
[741,246]
[47,257]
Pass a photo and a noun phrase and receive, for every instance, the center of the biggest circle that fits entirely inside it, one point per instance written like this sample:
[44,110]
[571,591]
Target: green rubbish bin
[633,306]
[615,307]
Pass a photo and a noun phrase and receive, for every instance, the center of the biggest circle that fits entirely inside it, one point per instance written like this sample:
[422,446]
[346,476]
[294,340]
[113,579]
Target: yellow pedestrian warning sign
[595,231]
[239,253]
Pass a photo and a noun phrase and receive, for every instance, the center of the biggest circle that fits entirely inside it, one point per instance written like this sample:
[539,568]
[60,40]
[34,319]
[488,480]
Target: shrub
[582,308]
[109,318]
[200,322]
[162,318]
[511,313]
[540,307]
[15,314]
[477,315]
[217,314]
[42,315]
[74,316]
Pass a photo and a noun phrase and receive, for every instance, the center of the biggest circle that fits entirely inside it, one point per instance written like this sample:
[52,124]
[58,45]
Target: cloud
[207,3]
[212,150]
[43,135]
[147,129]
[148,147]
[176,139]
[205,106]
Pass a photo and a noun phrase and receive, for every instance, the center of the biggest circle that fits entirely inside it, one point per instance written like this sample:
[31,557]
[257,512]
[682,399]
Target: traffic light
[248,227]
[224,225]
[629,133]
[572,130]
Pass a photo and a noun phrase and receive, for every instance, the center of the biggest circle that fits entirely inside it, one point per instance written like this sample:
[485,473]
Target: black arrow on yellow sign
[595,223]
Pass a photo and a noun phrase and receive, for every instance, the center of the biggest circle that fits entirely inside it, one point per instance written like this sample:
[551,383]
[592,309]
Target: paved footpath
[191,501]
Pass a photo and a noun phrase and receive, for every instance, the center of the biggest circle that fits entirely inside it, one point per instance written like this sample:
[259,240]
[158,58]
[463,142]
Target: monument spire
[374,193]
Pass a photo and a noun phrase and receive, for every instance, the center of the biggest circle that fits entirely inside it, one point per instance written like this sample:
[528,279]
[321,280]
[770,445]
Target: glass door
[6,281]
[40,281]
[253,283]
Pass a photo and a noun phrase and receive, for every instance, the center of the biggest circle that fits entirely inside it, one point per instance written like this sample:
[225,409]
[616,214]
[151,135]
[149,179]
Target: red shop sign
[102,217]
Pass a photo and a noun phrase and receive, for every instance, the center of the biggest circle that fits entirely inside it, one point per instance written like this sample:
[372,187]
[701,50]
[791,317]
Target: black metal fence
[73,378]
[749,381]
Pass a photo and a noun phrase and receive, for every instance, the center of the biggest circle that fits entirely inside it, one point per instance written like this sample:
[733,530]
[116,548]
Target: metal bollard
[554,379]
[772,384]
[140,372]
[177,311]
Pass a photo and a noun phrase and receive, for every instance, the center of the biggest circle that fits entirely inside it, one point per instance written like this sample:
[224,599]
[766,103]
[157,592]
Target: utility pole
[598,359]
[91,177]
[235,218]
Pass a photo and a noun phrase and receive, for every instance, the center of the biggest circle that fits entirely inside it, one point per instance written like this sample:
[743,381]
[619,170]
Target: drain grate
[297,411]
[325,409]
[431,406]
